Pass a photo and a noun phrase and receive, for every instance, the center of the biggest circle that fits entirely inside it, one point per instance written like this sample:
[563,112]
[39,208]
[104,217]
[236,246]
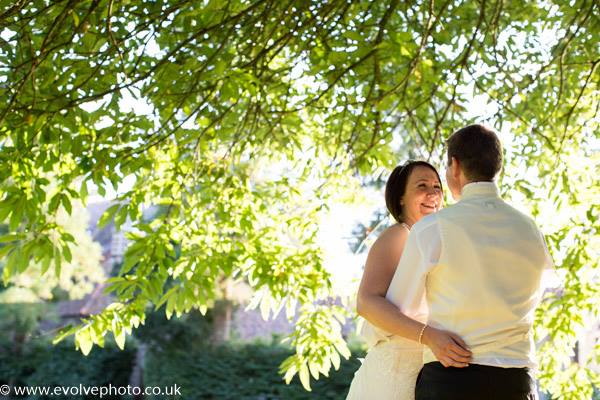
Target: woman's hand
[448,347]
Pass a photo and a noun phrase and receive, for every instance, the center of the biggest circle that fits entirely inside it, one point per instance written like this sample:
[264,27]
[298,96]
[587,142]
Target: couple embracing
[449,294]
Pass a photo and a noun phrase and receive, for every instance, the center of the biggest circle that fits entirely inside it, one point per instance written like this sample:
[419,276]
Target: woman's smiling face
[423,194]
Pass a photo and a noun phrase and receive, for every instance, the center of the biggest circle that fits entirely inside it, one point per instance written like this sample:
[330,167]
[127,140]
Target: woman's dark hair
[396,186]
[479,151]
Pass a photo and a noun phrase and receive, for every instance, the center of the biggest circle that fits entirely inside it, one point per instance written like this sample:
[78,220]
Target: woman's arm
[380,267]
[382,260]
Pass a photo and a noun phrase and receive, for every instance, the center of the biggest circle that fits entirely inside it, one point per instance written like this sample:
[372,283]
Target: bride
[396,336]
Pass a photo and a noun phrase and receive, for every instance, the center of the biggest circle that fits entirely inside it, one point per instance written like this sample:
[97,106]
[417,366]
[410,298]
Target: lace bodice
[388,372]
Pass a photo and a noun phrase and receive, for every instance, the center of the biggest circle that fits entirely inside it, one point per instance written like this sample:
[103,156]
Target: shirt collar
[480,189]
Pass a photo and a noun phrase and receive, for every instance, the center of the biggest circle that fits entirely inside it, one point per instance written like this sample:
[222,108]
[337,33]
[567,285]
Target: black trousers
[475,382]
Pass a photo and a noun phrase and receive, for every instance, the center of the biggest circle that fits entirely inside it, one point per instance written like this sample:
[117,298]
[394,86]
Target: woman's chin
[426,211]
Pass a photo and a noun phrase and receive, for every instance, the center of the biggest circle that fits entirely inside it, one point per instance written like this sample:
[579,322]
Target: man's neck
[462,182]
[465,183]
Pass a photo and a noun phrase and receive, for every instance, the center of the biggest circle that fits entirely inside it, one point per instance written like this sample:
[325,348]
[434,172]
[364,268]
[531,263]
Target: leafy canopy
[245,119]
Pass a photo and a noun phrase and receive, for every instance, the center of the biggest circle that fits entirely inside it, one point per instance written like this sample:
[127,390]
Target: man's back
[485,286]
[483,274]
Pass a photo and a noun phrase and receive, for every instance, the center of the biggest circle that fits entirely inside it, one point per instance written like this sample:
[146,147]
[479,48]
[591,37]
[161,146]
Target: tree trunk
[137,374]
[222,316]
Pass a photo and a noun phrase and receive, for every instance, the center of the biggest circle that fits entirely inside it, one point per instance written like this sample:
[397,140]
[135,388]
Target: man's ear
[455,167]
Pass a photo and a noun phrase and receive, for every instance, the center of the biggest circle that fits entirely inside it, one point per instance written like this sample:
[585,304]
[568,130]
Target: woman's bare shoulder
[392,236]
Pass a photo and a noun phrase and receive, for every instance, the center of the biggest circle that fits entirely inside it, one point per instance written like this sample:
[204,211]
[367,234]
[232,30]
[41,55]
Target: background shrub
[42,364]
[241,371]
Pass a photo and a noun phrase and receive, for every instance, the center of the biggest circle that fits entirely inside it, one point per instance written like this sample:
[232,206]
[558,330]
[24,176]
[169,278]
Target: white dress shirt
[474,268]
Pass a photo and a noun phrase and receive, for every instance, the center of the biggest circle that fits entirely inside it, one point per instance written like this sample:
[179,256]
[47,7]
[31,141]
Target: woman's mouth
[431,207]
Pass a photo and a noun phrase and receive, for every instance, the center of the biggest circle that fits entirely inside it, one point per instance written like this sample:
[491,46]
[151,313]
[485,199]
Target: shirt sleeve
[550,276]
[430,242]
[548,263]
[421,252]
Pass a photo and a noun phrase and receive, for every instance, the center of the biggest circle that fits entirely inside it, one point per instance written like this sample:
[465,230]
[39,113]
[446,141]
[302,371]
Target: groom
[480,263]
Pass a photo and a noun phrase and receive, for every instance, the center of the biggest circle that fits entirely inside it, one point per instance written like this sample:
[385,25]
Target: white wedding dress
[389,370]
[392,364]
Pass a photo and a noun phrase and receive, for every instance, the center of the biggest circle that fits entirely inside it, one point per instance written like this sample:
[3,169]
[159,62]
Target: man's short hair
[478,150]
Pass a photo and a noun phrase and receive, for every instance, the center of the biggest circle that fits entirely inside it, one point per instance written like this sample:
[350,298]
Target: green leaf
[314,369]
[304,377]
[353,35]
[171,302]
[23,258]
[83,190]
[83,341]
[66,202]
[130,261]
[67,237]
[265,307]
[7,248]
[46,264]
[54,202]
[120,337]
[289,368]
[120,217]
[64,332]
[11,237]
[107,216]
[57,263]
[5,209]
[16,217]
[335,359]
[342,348]
[68,256]
[165,297]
